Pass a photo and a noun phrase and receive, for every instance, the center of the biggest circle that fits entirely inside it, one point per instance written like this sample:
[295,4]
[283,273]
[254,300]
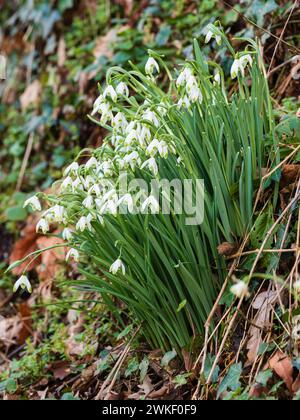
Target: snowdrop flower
[152,149]
[184,102]
[99,203]
[194,92]
[96,189]
[151,117]
[120,162]
[58,213]
[42,225]
[34,202]
[110,91]
[246,59]
[211,35]
[122,89]
[77,184]
[162,110]
[107,116]
[130,138]
[105,108]
[88,181]
[163,149]
[296,285]
[184,76]
[74,254]
[67,183]
[191,83]
[97,104]
[73,168]
[109,207]
[91,163]
[88,202]
[151,65]
[150,203]
[116,266]
[152,165]
[106,168]
[109,195]
[117,140]
[24,283]
[217,78]
[119,122]
[105,111]
[83,223]
[67,234]
[239,65]
[235,68]
[126,199]
[48,215]
[131,126]
[132,159]
[145,134]
[240,289]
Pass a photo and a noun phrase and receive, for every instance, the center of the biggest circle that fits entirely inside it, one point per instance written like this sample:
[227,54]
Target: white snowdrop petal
[24,283]
[240,289]
[151,65]
[117,266]
[34,202]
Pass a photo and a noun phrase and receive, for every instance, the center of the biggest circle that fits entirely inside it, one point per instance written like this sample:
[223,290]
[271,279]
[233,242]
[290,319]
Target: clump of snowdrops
[165,271]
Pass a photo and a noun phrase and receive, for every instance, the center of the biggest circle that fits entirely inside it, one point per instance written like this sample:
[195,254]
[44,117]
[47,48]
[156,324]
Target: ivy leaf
[163,35]
[170,355]
[16,214]
[10,386]
[68,396]
[232,379]
[263,377]
[181,380]
[207,368]
[125,332]
[143,368]
[259,9]
[132,367]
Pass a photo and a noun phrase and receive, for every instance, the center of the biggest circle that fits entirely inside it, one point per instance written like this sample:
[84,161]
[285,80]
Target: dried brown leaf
[281,364]
[163,391]
[263,303]
[227,249]
[103,45]
[10,329]
[21,249]
[25,316]
[50,259]
[31,95]
[290,173]
[61,52]
[60,369]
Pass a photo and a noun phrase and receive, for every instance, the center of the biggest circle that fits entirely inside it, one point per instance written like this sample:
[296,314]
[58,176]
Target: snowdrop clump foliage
[166,272]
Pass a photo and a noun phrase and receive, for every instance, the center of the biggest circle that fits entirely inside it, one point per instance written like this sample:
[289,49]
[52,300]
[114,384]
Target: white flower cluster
[189,85]
[133,144]
[137,143]
[239,65]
